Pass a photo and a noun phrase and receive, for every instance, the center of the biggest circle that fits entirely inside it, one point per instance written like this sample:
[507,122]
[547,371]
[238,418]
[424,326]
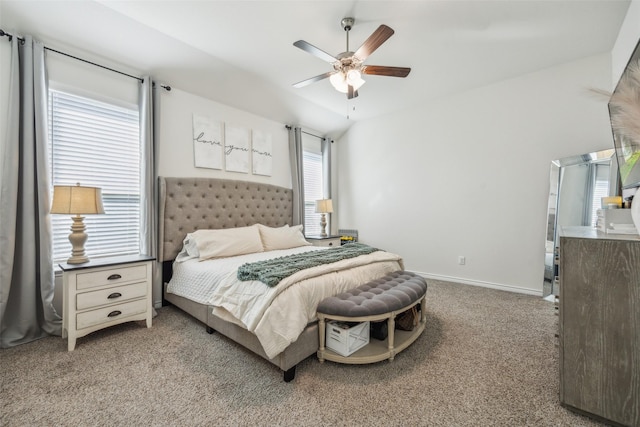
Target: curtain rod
[10,36]
[310,134]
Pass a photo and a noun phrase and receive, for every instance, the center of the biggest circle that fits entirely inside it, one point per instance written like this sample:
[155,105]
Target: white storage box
[616,221]
[345,339]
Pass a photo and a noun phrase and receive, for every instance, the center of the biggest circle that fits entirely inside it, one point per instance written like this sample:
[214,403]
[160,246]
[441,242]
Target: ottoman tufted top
[386,294]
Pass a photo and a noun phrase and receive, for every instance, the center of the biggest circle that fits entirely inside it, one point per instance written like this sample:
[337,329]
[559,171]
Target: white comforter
[276,315]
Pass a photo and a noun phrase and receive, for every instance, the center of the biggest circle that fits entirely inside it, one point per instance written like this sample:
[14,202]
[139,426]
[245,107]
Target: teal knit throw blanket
[272,271]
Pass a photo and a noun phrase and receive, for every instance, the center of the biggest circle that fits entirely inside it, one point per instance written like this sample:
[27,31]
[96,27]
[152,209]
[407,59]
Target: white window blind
[600,189]
[312,165]
[95,143]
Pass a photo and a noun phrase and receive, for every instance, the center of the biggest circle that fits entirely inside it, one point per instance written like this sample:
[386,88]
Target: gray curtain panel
[26,266]
[149,182]
[297,174]
[326,175]
[326,167]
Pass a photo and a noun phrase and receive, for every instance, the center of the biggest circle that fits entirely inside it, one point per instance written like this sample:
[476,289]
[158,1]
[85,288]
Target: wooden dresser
[599,326]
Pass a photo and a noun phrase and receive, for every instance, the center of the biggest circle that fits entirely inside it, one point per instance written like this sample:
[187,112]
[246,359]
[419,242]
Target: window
[96,144]
[315,182]
[312,165]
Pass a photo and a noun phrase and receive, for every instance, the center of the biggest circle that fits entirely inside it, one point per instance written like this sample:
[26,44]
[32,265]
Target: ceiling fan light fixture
[339,82]
[354,78]
[342,80]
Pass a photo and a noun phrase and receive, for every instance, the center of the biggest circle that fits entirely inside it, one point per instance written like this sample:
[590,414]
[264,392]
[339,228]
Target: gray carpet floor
[486,358]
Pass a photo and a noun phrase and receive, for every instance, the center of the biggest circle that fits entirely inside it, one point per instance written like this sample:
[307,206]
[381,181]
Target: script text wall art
[236,148]
[261,150]
[207,142]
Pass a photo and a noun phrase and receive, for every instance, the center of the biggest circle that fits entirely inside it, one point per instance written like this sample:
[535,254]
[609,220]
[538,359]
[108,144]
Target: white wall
[175,137]
[626,42]
[469,175]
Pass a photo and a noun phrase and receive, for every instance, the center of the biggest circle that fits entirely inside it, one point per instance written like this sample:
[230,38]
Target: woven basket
[408,320]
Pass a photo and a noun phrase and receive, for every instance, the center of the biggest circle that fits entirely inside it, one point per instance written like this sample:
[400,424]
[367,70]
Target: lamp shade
[324,206]
[76,200]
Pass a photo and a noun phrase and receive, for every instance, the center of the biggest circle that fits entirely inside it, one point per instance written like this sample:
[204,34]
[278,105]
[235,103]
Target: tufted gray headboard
[188,204]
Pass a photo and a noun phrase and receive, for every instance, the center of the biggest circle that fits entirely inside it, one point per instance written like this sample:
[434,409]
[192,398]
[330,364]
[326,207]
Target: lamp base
[323,225]
[77,238]
[77,259]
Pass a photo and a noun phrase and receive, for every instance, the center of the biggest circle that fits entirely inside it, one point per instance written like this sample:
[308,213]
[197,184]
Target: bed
[189,206]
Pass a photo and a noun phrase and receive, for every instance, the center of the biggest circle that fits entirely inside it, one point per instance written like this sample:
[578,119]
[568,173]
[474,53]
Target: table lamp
[77,200]
[324,207]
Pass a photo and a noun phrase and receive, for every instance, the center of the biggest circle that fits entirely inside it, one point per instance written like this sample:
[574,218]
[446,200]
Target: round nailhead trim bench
[380,299]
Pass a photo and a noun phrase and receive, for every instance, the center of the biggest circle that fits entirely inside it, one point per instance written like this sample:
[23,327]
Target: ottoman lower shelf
[375,350]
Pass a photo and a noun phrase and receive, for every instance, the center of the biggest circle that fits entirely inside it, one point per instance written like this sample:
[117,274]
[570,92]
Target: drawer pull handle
[114,313]
[114,295]
[114,277]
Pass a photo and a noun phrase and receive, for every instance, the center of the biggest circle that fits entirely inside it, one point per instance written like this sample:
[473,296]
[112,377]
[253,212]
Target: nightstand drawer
[110,296]
[330,241]
[111,276]
[326,242]
[108,314]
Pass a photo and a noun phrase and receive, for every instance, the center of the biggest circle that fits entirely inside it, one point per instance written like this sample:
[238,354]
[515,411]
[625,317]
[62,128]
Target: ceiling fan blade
[307,82]
[309,48]
[374,41]
[380,70]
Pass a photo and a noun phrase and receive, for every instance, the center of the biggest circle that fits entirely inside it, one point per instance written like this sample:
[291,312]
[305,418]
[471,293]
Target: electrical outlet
[461,260]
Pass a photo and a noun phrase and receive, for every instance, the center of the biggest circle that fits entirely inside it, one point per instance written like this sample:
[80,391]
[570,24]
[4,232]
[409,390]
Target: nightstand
[105,292]
[323,241]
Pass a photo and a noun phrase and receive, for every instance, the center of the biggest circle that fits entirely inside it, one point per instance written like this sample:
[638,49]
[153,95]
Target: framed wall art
[207,142]
[236,148]
[261,153]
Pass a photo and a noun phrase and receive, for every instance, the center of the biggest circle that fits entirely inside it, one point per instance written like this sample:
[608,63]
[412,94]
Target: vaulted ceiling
[241,53]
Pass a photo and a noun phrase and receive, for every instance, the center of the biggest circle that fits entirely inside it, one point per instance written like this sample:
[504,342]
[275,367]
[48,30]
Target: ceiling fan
[348,67]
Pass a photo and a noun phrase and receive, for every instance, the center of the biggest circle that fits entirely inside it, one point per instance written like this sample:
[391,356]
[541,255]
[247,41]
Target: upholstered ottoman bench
[380,299]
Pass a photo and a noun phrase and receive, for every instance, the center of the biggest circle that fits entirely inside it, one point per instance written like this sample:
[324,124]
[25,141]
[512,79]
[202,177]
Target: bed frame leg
[210,330]
[289,374]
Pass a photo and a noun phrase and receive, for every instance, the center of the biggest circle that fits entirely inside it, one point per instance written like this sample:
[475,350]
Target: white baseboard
[480,283]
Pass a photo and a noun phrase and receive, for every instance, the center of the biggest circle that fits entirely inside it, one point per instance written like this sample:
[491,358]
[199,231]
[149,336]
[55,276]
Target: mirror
[576,185]
[624,106]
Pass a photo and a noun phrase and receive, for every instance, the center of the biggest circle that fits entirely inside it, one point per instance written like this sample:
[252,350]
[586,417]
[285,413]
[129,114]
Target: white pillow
[227,242]
[282,237]
[189,249]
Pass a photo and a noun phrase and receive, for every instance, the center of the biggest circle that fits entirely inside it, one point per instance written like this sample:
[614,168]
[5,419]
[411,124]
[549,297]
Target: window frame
[312,150]
[118,231]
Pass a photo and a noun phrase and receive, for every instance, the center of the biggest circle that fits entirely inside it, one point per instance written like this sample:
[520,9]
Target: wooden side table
[105,292]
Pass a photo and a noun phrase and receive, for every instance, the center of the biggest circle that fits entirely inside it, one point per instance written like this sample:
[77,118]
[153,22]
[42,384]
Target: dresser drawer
[111,276]
[107,314]
[110,296]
